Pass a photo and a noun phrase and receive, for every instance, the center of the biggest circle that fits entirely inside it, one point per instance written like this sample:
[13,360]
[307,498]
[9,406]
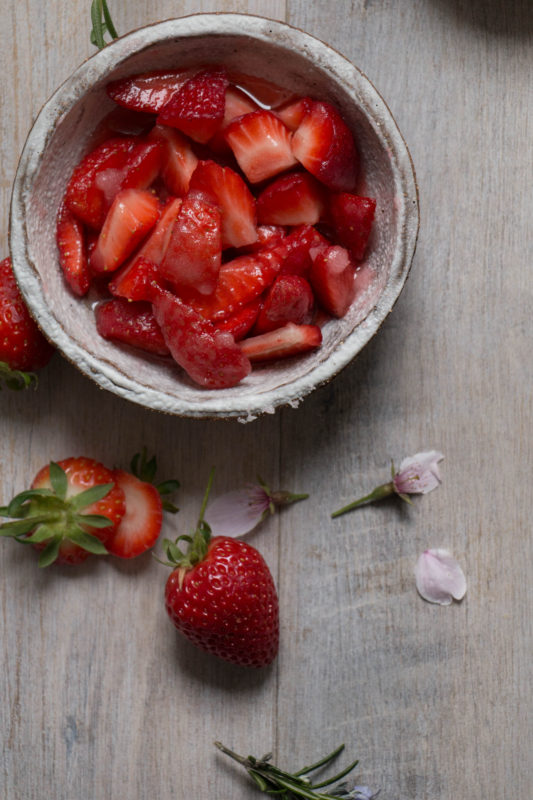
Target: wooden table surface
[100,699]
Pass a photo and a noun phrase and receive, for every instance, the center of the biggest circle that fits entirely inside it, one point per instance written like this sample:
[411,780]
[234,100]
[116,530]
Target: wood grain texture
[99,698]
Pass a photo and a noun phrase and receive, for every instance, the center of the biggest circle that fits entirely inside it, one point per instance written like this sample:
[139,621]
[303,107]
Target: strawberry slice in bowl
[261,143]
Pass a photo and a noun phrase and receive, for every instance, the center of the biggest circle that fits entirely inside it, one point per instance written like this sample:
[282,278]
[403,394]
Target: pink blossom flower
[439,578]
[418,474]
[238,512]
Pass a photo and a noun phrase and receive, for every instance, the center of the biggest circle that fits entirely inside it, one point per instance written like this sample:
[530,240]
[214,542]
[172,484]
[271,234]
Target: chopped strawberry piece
[131,216]
[267,237]
[293,112]
[120,163]
[242,322]
[352,218]
[139,528]
[193,256]
[149,91]
[239,282]
[210,357]
[198,107]
[227,190]
[324,144]
[332,277]
[179,160]
[289,299]
[261,143]
[237,103]
[133,281]
[72,252]
[131,323]
[295,199]
[295,249]
[283,342]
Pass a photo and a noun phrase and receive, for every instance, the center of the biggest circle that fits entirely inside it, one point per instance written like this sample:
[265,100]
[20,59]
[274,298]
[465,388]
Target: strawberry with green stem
[221,595]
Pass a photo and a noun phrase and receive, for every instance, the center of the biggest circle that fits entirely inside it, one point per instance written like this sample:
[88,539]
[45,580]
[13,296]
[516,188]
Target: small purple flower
[418,474]
[439,578]
[238,512]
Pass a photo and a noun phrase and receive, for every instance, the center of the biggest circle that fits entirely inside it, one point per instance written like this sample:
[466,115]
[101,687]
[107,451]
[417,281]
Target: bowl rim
[95,68]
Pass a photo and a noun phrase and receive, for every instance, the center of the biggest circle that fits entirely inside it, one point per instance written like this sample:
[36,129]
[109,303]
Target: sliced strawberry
[267,236]
[227,190]
[295,249]
[198,107]
[289,299]
[324,144]
[332,277]
[210,357]
[72,252]
[149,91]
[293,112]
[295,199]
[237,103]
[179,160]
[132,323]
[242,322]
[352,218]
[261,143]
[130,281]
[193,256]
[283,342]
[132,215]
[239,282]
[120,163]
[141,524]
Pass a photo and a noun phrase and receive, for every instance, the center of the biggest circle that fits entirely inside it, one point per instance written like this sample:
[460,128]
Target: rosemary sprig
[291,785]
[102,24]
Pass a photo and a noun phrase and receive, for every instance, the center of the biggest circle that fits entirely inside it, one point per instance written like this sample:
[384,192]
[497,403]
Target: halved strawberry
[295,199]
[332,277]
[239,282]
[132,215]
[72,252]
[236,104]
[197,109]
[149,91]
[120,163]
[261,143]
[267,236]
[130,281]
[293,112]
[289,299]
[192,258]
[210,357]
[352,218]
[324,144]
[227,190]
[242,322]
[132,323]
[141,524]
[288,341]
[179,160]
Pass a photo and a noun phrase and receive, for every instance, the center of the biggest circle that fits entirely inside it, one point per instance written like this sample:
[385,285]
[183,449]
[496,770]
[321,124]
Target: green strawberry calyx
[40,516]
[16,379]
[145,469]
[197,541]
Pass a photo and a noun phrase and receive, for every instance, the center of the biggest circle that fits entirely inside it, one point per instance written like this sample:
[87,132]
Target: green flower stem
[379,493]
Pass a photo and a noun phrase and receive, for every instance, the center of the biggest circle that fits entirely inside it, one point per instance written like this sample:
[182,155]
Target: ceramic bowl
[61,135]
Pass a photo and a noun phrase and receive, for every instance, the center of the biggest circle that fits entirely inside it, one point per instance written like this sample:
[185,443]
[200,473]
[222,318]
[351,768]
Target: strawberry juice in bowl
[251,50]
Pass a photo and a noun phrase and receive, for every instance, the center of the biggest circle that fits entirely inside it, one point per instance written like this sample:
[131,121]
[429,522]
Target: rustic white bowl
[60,136]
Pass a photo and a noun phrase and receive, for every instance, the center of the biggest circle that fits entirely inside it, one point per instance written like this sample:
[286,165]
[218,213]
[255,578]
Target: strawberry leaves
[145,469]
[16,379]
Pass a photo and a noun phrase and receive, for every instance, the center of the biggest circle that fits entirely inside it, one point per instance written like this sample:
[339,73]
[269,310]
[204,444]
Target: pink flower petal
[418,474]
[238,512]
[439,578]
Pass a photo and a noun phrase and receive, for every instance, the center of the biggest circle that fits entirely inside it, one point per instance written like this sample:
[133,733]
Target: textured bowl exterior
[61,135]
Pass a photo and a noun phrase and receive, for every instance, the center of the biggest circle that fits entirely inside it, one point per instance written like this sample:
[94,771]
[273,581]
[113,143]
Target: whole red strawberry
[23,348]
[222,597]
[71,510]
